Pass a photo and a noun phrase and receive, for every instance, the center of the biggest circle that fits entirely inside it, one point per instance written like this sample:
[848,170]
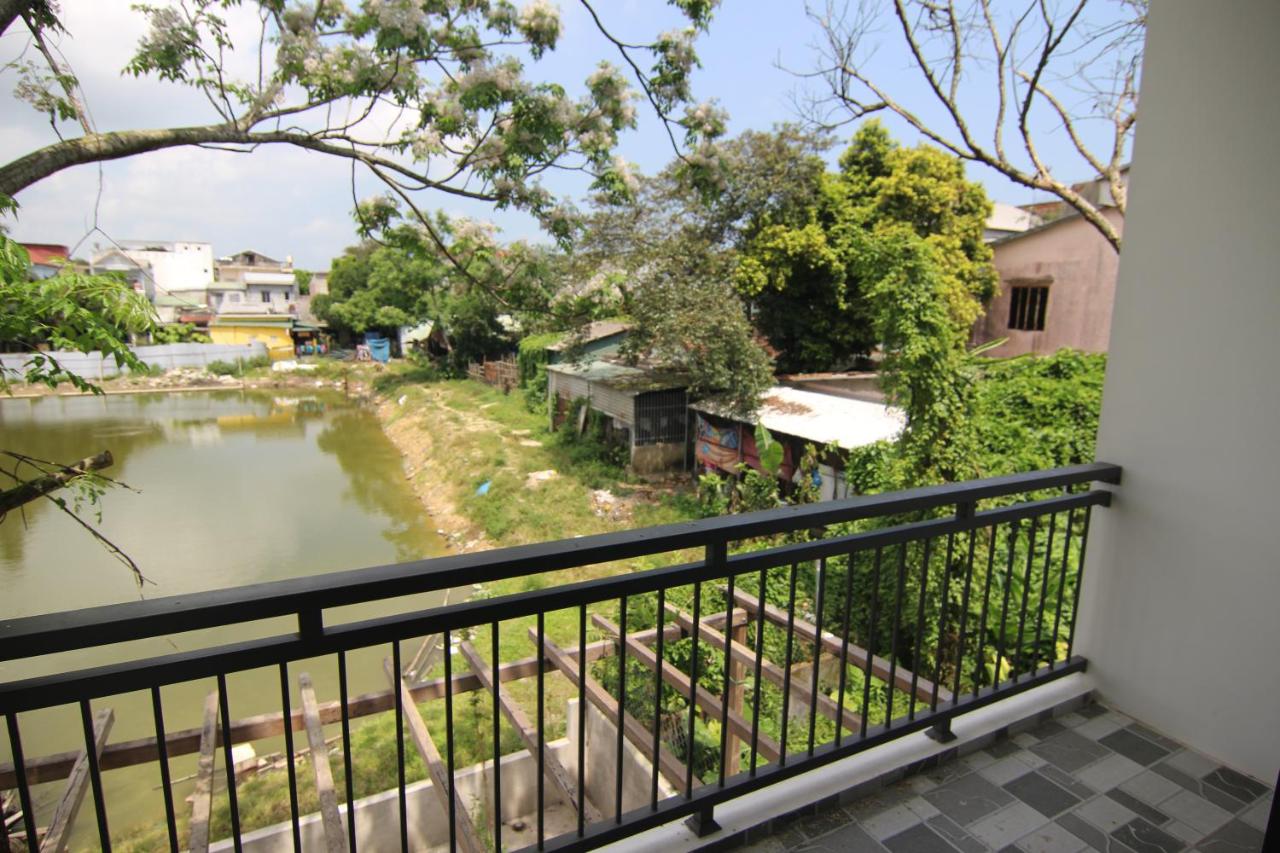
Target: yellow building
[271,331]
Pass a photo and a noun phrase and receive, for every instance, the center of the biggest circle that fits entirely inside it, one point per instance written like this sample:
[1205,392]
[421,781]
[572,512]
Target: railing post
[703,822]
[941,731]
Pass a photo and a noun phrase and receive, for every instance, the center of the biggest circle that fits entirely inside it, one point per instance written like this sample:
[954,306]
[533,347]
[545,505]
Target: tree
[472,125]
[68,311]
[805,268]
[1029,54]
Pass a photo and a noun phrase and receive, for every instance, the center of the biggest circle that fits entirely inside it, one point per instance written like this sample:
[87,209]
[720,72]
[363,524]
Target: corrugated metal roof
[594,332]
[821,418]
[622,377]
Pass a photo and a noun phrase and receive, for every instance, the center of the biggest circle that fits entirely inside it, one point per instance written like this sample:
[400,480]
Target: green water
[232,488]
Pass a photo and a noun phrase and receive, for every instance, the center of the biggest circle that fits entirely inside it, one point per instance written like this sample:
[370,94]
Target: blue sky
[287,202]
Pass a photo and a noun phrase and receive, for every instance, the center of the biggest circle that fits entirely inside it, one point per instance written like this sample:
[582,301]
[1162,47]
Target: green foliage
[178,333]
[239,366]
[771,452]
[303,279]
[69,311]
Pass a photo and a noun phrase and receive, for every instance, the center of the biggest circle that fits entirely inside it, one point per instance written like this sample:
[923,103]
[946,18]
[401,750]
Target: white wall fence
[94,366]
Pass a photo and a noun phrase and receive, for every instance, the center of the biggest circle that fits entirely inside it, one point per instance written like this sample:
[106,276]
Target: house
[1006,219]
[794,418]
[273,330]
[181,270]
[1057,286]
[646,410]
[251,282]
[856,385]
[599,339]
[46,258]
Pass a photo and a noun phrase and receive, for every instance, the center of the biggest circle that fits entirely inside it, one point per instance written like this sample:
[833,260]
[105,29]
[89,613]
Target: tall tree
[1043,65]
[805,268]
[473,124]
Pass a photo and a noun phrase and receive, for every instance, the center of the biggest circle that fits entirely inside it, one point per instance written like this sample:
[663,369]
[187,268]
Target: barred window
[1027,307]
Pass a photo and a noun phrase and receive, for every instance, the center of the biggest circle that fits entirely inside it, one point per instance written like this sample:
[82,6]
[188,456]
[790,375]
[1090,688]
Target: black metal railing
[777,642]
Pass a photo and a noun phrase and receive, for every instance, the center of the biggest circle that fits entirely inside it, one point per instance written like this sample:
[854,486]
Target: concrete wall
[1079,266]
[275,339]
[1180,616]
[657,458]
[94,367]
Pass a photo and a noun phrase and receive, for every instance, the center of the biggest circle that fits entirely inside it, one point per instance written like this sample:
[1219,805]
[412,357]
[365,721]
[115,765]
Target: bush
[237,367]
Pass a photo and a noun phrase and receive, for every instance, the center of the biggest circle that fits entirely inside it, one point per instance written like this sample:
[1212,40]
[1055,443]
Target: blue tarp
[379,347]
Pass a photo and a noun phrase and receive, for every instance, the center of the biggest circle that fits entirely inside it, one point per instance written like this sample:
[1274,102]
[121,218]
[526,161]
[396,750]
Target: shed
[647,409]
[599,339]
[795,418]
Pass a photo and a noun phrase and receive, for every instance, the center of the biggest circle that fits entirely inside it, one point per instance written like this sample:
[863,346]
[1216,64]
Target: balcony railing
[766,644]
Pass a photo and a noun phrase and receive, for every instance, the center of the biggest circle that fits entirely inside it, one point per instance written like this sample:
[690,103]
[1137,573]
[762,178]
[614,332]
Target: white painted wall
[1181,604]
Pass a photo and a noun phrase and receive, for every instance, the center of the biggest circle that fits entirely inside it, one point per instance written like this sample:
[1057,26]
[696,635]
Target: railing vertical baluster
[1062,579]
[1075,603]
[786,670]
[693,686]
[582,719]
[657,696]
[400,781]
[347,759]
[729,634]
[497,741]
[286,709]
[755,704]
[982,622]
[1026,598]
[622,707]
[942,620]
[224,709]
[964,616]
[20,770]
[448,740]
[95,778]
[1044,592]
[817,657]
[162,750]
[1014,529]
[844,648]
[542,731]
[893,636]
[918,646]
[871,641]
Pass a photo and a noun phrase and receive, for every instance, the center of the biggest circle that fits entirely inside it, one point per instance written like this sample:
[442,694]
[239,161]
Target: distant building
[1057,286]
[599,339]
[46,258]
[647,410]
[1005,219]
[794,418]
[273,331]
[250,282]
[182,271]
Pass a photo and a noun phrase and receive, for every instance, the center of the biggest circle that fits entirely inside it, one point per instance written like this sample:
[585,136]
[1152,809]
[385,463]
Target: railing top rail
[96,626]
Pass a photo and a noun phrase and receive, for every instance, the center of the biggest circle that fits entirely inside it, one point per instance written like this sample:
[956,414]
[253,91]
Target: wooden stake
[335,835]
[64,816]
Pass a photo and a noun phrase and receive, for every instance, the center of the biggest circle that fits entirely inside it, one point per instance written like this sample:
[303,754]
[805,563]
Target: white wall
[1181,611]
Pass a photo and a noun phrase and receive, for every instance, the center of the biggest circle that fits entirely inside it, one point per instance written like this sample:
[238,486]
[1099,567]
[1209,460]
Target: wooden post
[773,673]
[335,836]
[769,748]
[441,783]
[670,766]
[64,816]
[737,690]
[556,773]
[202,799]
[807,632]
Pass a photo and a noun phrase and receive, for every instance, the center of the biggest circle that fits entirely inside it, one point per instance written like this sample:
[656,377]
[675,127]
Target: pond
[232,487]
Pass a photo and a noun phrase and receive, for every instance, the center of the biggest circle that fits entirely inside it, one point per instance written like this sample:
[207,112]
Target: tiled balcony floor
[1089,780]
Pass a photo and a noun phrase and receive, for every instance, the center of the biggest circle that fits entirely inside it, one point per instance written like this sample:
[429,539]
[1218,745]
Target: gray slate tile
[955,834]
[1067,781]
[968,798]
[1155,737]
[1197,812]
[1091,835]
[1105,813]
[1044,796]
[1007,825]
[1134,746]
[1109,772]
[1069,751]
[1138,807]
[1236,837]
[849,839]
[1093,709]
[1214,795]
[1151,788]
[918,839]
[889,822]
[1236,784]
[1051,838]
[1145,838]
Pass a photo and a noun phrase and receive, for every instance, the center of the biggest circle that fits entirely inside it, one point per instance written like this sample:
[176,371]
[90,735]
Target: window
[266,297]
[1027,306]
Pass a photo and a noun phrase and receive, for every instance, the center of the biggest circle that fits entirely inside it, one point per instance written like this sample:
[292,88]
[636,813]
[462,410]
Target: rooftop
[623,377]
[820,418]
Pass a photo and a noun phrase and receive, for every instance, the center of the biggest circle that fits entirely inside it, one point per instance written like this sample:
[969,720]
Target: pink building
[1057,286]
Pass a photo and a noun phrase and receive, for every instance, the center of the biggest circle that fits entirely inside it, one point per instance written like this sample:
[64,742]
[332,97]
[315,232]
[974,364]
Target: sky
[284,202]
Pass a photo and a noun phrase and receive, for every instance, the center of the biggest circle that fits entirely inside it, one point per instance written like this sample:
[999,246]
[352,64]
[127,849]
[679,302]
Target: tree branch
[37,488]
